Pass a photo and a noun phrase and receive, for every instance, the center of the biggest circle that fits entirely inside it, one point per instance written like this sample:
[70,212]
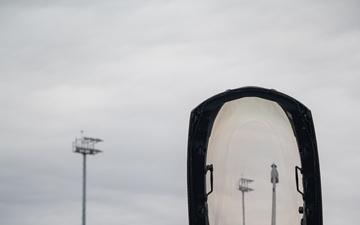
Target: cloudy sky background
[130,72]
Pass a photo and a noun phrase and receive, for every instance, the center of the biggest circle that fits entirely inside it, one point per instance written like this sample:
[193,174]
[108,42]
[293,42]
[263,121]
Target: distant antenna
[85,146]
[244,187]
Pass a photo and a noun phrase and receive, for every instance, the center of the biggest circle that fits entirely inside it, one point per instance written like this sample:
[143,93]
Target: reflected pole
[274,181]
[244,187]
[85,146]
[84,191]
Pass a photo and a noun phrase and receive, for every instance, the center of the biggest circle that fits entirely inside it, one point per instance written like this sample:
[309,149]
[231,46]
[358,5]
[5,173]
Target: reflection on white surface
[249,135]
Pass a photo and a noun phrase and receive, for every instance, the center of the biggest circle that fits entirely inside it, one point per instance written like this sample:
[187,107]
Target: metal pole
[274,181]
[85,146]
[244,187]
[84,190]
[243,207]
[273,214]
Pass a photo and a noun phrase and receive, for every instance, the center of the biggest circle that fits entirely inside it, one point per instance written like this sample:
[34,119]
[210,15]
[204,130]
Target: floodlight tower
[244,187]
[274,181]
[85,146]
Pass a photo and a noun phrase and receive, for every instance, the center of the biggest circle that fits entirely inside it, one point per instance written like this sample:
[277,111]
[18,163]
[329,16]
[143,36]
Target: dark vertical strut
[84,191]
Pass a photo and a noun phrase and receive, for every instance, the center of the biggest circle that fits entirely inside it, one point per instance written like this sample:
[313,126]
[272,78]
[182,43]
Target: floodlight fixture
[85,146]
[243,186]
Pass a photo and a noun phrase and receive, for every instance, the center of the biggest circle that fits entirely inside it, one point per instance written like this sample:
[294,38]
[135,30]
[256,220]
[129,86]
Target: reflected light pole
[85,146]
[274,181]
[244,187]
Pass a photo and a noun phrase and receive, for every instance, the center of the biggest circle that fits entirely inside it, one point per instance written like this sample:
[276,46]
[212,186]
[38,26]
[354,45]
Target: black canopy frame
[201,122]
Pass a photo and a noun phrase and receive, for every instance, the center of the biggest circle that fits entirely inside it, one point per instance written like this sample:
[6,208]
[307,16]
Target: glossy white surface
[248,136]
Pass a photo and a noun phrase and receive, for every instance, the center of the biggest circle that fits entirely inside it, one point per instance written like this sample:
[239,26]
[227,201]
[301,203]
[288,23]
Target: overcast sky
[130,72]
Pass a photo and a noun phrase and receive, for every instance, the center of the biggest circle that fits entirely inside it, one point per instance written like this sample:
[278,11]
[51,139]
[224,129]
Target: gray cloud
[130,72]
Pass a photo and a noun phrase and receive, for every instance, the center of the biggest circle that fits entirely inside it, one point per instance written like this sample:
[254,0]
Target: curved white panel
[248,136]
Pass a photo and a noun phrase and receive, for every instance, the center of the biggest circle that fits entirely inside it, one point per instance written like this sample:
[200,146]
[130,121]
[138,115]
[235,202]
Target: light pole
[274,181]
[85,146]
[244,187]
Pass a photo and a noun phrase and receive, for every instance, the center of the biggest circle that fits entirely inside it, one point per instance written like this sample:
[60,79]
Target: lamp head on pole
[86,145]
[274,174]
